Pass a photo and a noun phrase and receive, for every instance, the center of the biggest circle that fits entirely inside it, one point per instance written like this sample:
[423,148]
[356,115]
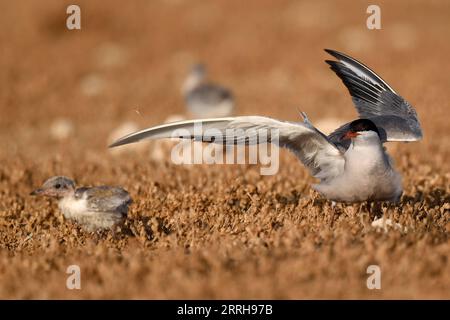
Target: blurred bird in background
[204,99]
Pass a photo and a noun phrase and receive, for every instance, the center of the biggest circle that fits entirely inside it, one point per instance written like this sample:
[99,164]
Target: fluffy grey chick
[94,208]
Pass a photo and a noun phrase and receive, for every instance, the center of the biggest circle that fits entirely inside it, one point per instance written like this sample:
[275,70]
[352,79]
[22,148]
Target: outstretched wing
[376,100]
[105,198]
[321,157]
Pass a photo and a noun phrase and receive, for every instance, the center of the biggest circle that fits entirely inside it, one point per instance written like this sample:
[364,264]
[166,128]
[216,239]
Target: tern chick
[204,99]
[94,208]
[351,163]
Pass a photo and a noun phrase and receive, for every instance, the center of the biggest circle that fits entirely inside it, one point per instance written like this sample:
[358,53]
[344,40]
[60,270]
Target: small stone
[385,223]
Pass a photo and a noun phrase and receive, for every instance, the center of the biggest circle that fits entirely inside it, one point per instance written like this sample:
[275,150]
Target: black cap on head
[363,125]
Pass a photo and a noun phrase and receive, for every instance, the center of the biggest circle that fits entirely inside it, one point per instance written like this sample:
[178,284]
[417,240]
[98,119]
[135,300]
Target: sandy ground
[220,231]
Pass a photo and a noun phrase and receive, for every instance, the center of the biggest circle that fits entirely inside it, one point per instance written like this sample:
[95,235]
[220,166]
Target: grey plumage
[105,198]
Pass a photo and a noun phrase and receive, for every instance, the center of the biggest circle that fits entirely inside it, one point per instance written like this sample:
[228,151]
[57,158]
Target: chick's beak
[349,135]
[37,192]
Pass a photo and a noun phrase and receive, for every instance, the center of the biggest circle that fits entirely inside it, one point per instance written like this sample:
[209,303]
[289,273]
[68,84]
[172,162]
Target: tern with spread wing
[351,163]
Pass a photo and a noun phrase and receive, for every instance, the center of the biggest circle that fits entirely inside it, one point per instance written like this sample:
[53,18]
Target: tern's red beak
[349,135]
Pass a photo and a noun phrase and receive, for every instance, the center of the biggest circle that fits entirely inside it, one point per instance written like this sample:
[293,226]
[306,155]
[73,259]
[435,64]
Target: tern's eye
[57,186]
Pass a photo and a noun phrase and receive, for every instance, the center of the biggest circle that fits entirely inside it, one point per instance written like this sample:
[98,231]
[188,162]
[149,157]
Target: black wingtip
[331,62]
[338,55]
[335,66]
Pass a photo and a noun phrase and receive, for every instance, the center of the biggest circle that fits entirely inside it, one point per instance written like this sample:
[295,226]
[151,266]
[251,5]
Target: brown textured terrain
[217,231]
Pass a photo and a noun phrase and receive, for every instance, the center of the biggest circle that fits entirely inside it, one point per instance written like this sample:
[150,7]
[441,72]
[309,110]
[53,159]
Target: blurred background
[65,94]
[128,62]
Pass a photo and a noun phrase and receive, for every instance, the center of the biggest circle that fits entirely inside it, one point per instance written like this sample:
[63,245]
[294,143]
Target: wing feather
[105,198]
[374,99]
[312,147]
